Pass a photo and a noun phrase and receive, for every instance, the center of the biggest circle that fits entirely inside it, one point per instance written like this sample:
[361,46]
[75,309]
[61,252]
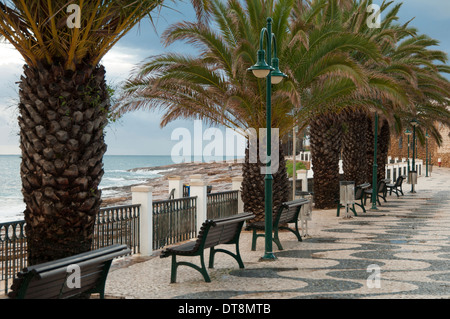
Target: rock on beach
[217,174]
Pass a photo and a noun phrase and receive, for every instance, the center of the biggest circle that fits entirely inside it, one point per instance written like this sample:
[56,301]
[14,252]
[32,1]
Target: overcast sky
[139,133]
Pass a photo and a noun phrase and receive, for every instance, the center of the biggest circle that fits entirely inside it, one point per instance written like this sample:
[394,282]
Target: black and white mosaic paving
[400,251]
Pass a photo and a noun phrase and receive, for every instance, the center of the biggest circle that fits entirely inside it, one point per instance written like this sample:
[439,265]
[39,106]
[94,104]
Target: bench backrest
[221,231]
[359,191]
[364,185]
[49,280]
[289,211]
[381,186]
[399,180]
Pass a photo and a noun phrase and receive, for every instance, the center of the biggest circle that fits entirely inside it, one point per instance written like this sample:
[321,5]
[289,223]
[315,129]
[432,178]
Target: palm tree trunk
[62,120]
[326,140]
[370,139]
[354,160]
[383,148]
[253,193]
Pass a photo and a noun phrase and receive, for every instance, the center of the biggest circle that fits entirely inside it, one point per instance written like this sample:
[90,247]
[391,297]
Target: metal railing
[114,225]
[222,204]
[174,221]
[118,225]
[13,251]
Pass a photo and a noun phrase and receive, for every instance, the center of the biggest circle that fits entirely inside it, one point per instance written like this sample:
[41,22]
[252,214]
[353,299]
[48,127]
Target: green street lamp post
[414,123]
[429,162]
[408,133]
[273,75]
[426,153]
[375,166]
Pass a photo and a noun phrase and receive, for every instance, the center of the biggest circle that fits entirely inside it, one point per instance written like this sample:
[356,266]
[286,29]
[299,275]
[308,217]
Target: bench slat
[287,213]
[48,280]
[46,289]
[37,283]
[222,235]
[76,259]
[223,231]
[86,263]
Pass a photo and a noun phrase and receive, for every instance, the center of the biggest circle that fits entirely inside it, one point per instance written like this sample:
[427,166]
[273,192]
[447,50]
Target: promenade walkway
[400,251]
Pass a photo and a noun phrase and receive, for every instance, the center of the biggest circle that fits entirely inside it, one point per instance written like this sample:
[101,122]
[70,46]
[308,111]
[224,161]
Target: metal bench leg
[173,273]
[353,209]
[294,231]
[362,206]
[276,239]
[396,192]
[202,269]
[297,233]
[278,243]
[236,256]
[254,237]
[365,199]
[212,252]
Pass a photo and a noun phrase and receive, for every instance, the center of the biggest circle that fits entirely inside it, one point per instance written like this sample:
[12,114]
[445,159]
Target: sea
[120,170]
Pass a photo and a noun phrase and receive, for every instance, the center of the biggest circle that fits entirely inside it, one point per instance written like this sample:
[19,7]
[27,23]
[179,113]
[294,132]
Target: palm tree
[431,90]
[354,147]
[407,61]
[417,68]
[216,86]
[329,79]
[64,107]
[358,134]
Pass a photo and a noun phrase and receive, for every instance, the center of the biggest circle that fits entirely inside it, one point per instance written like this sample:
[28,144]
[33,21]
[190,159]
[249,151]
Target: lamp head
[408,132]
[261,69]
[277,75]
[414,123]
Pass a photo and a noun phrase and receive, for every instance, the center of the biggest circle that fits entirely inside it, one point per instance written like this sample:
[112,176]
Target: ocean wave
[10,212]
[152,171]
[108,193]
[114,179]
[127,182]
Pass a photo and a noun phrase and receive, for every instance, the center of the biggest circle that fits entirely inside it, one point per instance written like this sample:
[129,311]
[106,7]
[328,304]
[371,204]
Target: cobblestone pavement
[400,251]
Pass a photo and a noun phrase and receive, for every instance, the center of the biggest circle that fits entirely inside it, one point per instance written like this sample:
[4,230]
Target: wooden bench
[223,231]
[381,192]
[49,280]
[359,196]
[287,213]
[397,187]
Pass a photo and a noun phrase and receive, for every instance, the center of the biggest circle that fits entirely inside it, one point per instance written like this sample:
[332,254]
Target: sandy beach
[217,174]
